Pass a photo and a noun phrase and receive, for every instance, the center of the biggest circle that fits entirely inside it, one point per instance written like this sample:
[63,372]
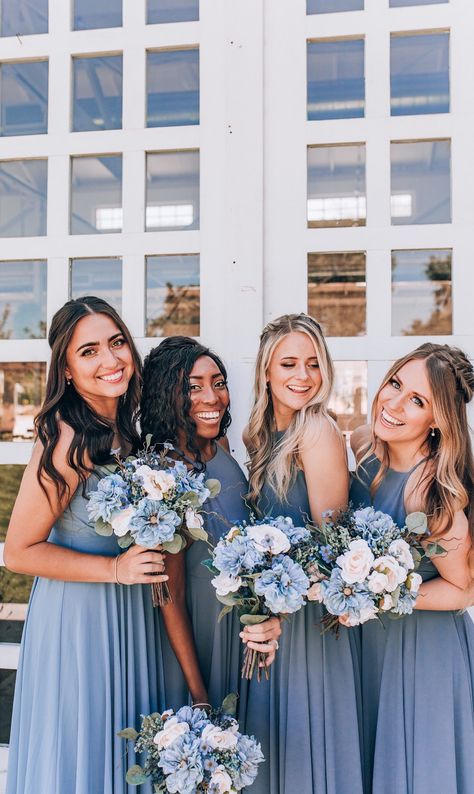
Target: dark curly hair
[165,404]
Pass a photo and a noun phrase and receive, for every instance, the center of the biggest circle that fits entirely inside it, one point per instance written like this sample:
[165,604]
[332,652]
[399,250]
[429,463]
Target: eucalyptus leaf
[213,486]
[174,546]
[103,527]
[415,553]
[128,733]
[434,550]
[135,776]
[208,564]
[192,499]
[229,599]
[125,541]
[224,611]
[252,620]
[197,533]
[417,523]
[229,704]
[148,439]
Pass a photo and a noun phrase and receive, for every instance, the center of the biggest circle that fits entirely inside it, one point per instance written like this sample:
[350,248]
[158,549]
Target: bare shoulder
[360,438]
[322,432]
[224,443]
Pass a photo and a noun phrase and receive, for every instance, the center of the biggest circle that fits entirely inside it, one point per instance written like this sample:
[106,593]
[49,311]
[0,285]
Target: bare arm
[440,595]
[26,547]
[324,463]
[178,627]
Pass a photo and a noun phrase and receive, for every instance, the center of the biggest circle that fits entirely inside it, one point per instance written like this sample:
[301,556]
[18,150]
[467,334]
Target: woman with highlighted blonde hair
[306,714]
[418,672]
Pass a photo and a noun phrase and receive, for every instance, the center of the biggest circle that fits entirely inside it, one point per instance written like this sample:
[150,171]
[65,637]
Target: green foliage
[213,486]
[229,704]
[252,620]
[136,776]
[174,546]
[125,541]
[128,733]
[417,523]
[435,550]
[197,533]
[103,527]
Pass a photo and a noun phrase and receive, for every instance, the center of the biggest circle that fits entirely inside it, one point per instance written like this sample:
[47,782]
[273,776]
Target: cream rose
[386,602]
[355,564]
[172,731]
[348,620]
[268,538]
[221,782]
[413,582]
[391,574]
[401,551]
[121,519]
[314,593]
[226,583]
[219,739]
[155,483]
[193,519]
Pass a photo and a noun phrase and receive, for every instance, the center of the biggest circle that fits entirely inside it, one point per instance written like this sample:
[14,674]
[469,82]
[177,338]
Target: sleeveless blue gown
[417,682]
[88,668]
[307,715]
[218,645]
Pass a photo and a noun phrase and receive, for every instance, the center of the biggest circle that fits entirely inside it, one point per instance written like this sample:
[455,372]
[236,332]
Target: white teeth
[390,419]
[208,415]
[299,388]
[113,377]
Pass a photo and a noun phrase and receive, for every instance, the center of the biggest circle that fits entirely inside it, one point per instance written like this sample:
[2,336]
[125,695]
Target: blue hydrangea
[404,605]
[341,598]
[153,523]
[283,586]
[181,761]
[327,553]
[111,495]
[294,534]
[239,554]
[250,756]
[197,719]
[373,525]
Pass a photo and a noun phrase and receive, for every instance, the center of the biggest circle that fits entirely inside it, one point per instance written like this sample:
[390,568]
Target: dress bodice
[296,506]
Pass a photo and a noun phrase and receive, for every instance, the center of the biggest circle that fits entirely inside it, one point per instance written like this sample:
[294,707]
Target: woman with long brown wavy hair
[418,672]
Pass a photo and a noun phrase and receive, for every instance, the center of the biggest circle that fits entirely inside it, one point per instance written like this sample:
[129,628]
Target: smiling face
[293,376]
[209,398]
[404,409]
[99,362]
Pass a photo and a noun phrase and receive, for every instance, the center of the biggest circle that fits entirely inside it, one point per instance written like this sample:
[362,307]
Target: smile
[208,416]
[390,420]
[114,377]
[299,389]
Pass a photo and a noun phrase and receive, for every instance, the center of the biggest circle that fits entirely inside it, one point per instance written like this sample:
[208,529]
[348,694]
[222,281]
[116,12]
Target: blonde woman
[418,672]
[306,715]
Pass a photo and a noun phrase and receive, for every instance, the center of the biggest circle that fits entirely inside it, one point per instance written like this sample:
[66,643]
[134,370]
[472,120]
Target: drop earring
[432,432]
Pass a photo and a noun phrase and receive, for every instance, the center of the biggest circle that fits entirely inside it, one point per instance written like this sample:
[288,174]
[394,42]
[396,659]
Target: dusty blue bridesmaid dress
[307,715]
[218,644]
[88,668]
[417,682]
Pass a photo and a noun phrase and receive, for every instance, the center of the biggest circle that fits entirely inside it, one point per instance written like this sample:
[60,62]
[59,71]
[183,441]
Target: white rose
[226,583]
[377,582]
[121,519]
[413,582]
[386,602]
[172,730]
[268,538]
[393,572]
[314,593]
[401,551]
[348,620]
[355,564]
[221,782]
[164,480]
[219,739]
[232,533]
[155,483]
[368,613]
[193,519]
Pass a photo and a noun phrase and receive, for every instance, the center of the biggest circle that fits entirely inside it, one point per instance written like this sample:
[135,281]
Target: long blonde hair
[278,465]
[448,484]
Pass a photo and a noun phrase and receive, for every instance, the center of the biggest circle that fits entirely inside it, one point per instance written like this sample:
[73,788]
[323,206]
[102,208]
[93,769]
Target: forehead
[295,345]
[93,328]
[414,376]
[204,366]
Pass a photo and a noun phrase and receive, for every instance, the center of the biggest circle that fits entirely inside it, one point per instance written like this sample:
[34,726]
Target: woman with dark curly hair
[185,402]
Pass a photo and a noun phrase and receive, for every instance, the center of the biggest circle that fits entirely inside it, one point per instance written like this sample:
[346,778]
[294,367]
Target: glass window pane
[99,276]
[336,292]
[419,74]
[23,192]
[421,182]
[336,185]
[22,17]
[421,292]
[172,88]
[172,195]
[172,11]
[172,295]
[24,98]
[23,299]
[397,3]
[97,93]
[96,194]
[336,86]
[91,14]
[329,6]
[21,394]
[349,399]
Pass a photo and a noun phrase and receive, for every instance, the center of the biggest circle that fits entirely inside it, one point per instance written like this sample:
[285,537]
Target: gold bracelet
[115,569]
[199,705]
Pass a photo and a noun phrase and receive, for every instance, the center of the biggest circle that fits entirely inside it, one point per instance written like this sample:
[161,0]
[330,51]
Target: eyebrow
[94,344]
[294,358]
[418,394]
[200,377]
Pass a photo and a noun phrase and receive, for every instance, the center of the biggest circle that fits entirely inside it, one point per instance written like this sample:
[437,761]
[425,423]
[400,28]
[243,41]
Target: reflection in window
[172,11]
[421,292]
[172,295]
[336,292]
[99,276]
[172,87]
[14,587]
[24,98]
[23,191]
[328,6]
[336,86]
[96,186]
[336,185]
[23,299]
[397,3]
[419,74]
[97,93]
[21,394]
[23,17]
[172,200]
[349,400]
[421,182]
[90,14]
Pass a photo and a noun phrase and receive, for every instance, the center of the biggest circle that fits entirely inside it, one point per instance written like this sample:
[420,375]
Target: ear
[67,374]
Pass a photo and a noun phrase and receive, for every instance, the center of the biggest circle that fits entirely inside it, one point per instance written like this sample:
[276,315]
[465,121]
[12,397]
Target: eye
[220,384]
[118,342]
[314,365]
[288,364]
[194,387]
[88,352]
[417,401]
[394,382]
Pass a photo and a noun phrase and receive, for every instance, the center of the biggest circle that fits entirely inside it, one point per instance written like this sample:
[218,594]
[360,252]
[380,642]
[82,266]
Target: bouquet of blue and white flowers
[366,565]
[260,569]
[191,751]
[152,500]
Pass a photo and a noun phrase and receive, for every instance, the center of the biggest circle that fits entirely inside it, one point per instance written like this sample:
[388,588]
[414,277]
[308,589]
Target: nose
[300,371]
[208,395]
[109,357]
[396,401]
